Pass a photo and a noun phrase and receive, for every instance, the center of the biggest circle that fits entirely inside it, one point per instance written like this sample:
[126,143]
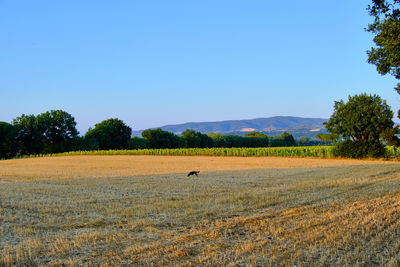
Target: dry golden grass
[143,210]
[73,167]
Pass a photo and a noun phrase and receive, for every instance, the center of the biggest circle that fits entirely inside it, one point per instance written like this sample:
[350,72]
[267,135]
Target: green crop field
[301,151]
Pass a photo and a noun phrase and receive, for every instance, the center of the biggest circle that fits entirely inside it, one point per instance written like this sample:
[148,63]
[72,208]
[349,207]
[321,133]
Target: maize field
[301,151]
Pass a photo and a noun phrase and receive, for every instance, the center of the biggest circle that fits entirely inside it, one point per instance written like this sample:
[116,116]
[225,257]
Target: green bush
[350,149]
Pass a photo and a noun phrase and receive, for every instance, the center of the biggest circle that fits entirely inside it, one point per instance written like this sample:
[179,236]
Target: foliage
[58,130]
[50,132]
[285,139]
[29,134]
[367,149]
[252,140]
[304,140]
[111,134]
[163,139]
[324,137]
[219,139]
[256,141]
[363,120]
[197,139]
[256,134]
[83,143]
[386,30]
[8,144]
[288,139]
[139,143]
[392,151]
[233,141]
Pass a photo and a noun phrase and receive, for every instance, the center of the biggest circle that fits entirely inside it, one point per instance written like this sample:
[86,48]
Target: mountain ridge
[297,126]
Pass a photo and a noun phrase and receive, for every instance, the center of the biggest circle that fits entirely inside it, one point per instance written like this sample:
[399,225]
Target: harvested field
[143,210]
[75,167]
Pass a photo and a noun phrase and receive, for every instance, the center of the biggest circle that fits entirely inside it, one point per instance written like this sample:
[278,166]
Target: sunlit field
[144,210]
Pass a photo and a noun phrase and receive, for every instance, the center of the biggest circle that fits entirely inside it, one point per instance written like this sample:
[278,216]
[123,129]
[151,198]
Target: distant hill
[272,126]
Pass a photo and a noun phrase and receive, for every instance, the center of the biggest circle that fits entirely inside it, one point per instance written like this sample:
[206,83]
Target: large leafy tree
[110,134]
[50,132]
[58,128]
[386,30]
[29,134]
[362,122]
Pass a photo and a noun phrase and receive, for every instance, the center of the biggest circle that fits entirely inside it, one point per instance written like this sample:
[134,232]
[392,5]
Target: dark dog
[193,173]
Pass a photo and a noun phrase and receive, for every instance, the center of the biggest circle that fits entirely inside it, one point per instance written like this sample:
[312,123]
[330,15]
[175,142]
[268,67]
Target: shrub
[350,149]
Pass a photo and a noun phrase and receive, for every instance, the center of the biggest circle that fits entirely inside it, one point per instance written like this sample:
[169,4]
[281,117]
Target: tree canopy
[58,129]
[110,134]
[139,143]
[386,30]
[55,131]
[50,132]
[256,134]
[361,122]
[29,134]
[325,137]
[197,139]
[285,139]
[163,139]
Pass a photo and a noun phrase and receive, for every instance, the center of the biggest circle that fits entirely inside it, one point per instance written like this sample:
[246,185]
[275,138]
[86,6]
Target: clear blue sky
[152,63]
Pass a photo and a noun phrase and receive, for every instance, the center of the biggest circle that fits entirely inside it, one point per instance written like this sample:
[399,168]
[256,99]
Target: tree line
[360,127]
[55,131]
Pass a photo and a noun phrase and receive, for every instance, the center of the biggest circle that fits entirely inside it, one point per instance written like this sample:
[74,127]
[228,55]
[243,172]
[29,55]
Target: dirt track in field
[125,166]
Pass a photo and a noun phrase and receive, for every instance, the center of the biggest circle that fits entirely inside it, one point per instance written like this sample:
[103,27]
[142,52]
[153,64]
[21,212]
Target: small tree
[110,134]
[361,123]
